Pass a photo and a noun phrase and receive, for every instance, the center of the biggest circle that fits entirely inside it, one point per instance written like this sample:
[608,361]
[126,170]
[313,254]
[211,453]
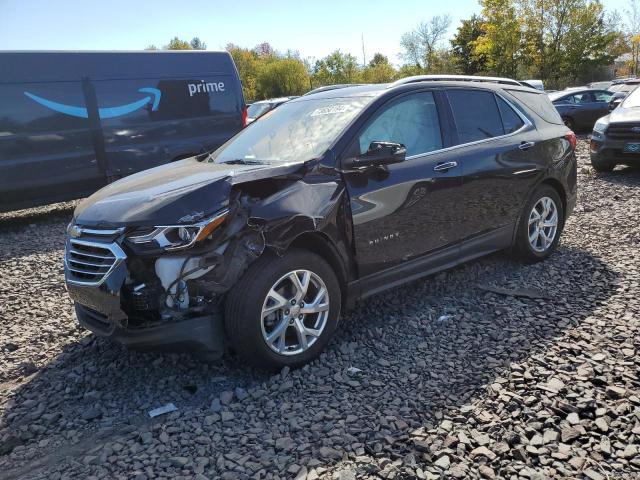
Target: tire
[523,247]
[248,331]
[602,167]
[568,121]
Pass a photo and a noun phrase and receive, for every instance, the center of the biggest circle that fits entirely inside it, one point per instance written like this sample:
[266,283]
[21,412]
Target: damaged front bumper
[96,275]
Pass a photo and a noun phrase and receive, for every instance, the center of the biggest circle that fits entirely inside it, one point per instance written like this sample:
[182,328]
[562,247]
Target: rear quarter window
[539,104]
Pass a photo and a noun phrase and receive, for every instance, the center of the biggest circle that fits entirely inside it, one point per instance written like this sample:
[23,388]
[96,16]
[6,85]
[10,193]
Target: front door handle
[526,145]
[443,167]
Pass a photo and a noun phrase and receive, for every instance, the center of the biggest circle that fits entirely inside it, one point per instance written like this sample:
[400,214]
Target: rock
[330,453]
[226,398]
[487,472]
[629,451]
[602,424]
[484,451]
[8,444]
[91,414]
[569,433]
[549,436]
[179,462]
[615,392]
[443,462]
[284,443]
[573,418]
[593,475]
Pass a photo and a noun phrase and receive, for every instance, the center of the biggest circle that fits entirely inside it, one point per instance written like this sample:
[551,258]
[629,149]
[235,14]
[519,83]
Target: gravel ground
[439,378]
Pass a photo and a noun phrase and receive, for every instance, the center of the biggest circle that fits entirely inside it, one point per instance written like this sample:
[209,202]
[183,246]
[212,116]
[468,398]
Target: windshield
[632,100]
[257,109]
[294,132]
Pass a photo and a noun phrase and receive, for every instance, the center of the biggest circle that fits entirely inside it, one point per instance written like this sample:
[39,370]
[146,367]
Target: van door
[149,122]
[46,149]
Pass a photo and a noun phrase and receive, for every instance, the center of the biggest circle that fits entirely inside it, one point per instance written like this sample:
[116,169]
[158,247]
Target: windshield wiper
[242,161]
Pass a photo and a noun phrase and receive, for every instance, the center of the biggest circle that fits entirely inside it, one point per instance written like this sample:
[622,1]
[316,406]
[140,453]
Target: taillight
[573,141]
[244,116]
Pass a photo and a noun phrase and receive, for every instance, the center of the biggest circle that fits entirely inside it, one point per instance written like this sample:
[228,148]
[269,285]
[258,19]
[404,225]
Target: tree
[633,32]
[565,41]
[177,44]
[421,43]
[336,68]
[464,56]
[248,65]
[379,70]
[282,77]
[151,47]
[499,45]
[197,44]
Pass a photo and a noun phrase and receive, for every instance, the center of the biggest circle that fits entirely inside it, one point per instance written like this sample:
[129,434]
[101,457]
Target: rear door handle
[443,167]
[526,145]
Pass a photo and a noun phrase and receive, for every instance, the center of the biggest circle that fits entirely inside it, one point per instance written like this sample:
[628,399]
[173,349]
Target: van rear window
[538,103]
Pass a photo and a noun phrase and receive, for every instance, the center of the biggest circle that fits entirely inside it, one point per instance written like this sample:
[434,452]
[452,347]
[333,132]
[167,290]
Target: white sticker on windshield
[329,110]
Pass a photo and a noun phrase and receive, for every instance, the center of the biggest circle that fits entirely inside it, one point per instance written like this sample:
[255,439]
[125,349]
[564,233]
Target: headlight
[179,237]
[600,126]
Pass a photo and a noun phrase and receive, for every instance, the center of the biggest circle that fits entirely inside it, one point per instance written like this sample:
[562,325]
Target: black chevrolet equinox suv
[331,198]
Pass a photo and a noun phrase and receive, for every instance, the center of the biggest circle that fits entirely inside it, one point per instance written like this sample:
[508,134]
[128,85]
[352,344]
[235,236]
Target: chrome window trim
[527,124]
[115,250]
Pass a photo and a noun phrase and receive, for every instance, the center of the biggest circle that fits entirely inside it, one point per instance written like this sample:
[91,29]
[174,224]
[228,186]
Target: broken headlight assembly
[171,238]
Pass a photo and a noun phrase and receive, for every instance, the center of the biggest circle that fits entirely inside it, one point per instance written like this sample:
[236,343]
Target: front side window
[412,121]
[476,115]
[585,97]
[297,131]
[603,96]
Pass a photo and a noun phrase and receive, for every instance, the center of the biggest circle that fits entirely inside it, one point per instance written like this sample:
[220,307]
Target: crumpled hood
[177,193]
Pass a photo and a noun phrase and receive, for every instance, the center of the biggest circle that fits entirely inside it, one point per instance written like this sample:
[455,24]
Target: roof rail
[326,88]
[455,78]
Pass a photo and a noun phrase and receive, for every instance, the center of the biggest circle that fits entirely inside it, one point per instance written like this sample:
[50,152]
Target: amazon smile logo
[107,112]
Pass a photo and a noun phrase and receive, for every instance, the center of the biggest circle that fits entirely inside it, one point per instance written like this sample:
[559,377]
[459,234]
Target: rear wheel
[540,225]
[283,310]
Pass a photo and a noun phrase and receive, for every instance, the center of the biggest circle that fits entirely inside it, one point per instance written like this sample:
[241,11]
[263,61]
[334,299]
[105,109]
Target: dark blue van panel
[70,122]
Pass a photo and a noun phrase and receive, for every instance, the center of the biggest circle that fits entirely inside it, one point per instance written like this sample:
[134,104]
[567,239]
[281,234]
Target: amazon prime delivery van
[71,122]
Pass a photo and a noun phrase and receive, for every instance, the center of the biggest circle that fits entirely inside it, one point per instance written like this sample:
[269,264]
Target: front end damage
[150,297]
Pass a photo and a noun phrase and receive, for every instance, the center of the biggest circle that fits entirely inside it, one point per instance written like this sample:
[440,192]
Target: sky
[313,28]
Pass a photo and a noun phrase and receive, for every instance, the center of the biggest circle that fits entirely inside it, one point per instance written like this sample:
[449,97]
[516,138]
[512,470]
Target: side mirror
[379,153]
[614,103]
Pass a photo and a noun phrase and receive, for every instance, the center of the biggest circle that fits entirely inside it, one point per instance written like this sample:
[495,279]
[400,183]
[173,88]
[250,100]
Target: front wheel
[283,310]
[540,225]
[569,123]
[601,167]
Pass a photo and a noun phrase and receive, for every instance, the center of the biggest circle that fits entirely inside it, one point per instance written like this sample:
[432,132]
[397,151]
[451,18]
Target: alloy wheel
[543,224]
[295,312]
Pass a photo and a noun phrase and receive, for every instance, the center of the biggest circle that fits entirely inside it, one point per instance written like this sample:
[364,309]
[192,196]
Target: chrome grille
[89,263]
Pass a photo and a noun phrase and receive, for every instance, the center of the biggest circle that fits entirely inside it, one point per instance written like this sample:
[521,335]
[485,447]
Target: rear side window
[476,115]
[538,103]
[510,119]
